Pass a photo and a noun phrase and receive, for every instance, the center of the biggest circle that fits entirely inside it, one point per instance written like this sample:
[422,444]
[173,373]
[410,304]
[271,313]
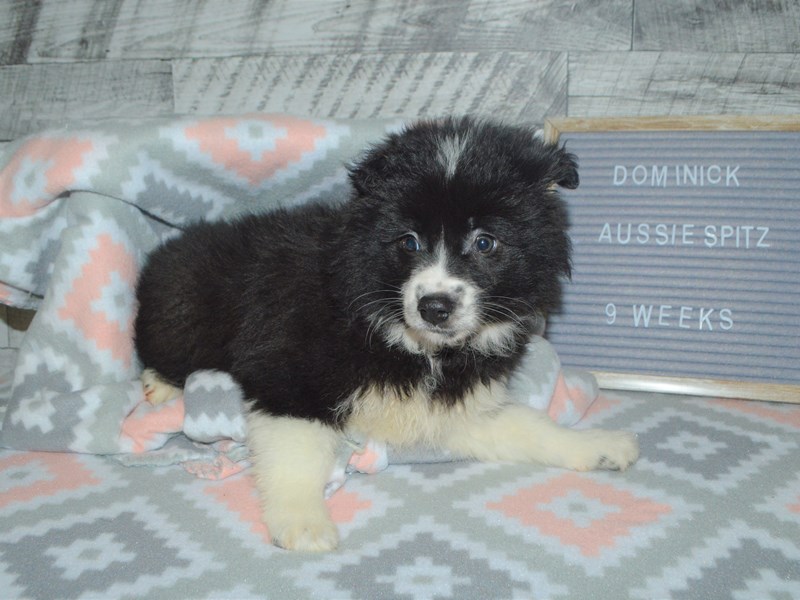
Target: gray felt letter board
[686,272]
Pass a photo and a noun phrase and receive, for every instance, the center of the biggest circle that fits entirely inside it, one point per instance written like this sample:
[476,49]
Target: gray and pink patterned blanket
[79,210]
[711,510]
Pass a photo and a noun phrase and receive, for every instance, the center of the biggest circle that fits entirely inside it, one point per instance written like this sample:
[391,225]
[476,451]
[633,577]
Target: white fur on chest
[414,418]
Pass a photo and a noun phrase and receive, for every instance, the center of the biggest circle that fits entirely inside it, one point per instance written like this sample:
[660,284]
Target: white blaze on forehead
[450,149]
[434,279]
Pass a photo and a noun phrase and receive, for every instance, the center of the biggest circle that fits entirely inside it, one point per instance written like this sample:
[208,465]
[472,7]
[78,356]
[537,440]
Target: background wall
[519,60]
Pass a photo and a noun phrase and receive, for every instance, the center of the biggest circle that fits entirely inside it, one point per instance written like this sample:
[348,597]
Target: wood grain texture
[17,23]
[518,86]
[33,97]
[664,83]
[717,25]
[555,127]
[67,31]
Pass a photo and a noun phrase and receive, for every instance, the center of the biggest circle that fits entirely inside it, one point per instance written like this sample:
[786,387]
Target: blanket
[80,208]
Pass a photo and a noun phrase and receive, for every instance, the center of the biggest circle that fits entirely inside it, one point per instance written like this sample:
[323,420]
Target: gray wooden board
[682,83]
[135,29]
[517,86]
[34,97]
[714,26]
[686,255]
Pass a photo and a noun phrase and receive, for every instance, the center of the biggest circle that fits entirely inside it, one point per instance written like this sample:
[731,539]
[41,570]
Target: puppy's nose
[435,308]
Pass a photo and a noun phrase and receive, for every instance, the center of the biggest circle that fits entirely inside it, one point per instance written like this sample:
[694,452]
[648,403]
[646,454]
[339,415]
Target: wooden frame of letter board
[748,390]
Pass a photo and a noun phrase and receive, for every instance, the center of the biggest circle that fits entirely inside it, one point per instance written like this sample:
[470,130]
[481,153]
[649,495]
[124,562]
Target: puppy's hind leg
[156,389]
[292,461]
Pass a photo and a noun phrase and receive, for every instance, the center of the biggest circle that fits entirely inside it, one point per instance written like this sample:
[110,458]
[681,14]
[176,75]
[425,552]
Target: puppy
[396,315]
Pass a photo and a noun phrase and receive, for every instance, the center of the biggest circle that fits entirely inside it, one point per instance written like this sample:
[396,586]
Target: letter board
[686,255]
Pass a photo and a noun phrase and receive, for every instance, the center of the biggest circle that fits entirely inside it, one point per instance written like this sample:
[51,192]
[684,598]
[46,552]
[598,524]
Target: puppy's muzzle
[436,308]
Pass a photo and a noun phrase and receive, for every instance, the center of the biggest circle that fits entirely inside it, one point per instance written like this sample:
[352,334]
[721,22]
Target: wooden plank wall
[515,59]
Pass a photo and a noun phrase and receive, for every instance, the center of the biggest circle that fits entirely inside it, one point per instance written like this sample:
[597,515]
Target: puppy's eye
[485,244]
[410,243]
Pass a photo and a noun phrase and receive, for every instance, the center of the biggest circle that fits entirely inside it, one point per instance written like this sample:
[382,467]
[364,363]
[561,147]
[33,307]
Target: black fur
[283,300]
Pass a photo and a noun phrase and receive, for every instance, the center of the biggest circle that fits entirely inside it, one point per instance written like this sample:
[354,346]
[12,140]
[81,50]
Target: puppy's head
[457,236]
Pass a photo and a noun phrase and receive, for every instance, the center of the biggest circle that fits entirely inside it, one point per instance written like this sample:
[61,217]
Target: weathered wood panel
[660,83]
[717,25]
[17,22]
[36,96]
[158,29]
[512,85]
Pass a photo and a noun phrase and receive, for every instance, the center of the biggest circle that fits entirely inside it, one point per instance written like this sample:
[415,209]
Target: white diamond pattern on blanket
[583,510]
[32,480]
[44,370]
[720,456]
[233,505]
[423,578]
[425,559]
[149,182]
[44,166]
[115,300]
[738,562]
[28,262]
[594,520]
[85,555]
[103,263]
[30,180]
[784,502]
[247,161]
[21,476]
[256,138]
[436,476]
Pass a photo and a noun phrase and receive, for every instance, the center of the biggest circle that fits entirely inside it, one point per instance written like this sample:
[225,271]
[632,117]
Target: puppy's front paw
[303,532]
[601,449]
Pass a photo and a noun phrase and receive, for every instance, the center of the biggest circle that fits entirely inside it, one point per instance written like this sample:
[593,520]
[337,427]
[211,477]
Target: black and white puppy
[396,315]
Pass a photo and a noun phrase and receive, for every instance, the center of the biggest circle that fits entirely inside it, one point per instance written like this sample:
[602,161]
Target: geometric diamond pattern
[784,502]
[593,520]
[710,454]
[785,416]
[29,480]
[738,562]
[233,504]
[90,527]
[425,559]
[580,512]
[99,303]
[272,148]
[86,526]
[436,476]
[83,553]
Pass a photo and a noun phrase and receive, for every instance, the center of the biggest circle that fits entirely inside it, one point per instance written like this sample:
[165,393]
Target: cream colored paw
[156,390]
[601,449]
[303,532]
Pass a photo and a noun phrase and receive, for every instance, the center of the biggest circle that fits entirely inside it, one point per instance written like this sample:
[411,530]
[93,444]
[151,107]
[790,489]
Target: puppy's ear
[367,174]
[564,168]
